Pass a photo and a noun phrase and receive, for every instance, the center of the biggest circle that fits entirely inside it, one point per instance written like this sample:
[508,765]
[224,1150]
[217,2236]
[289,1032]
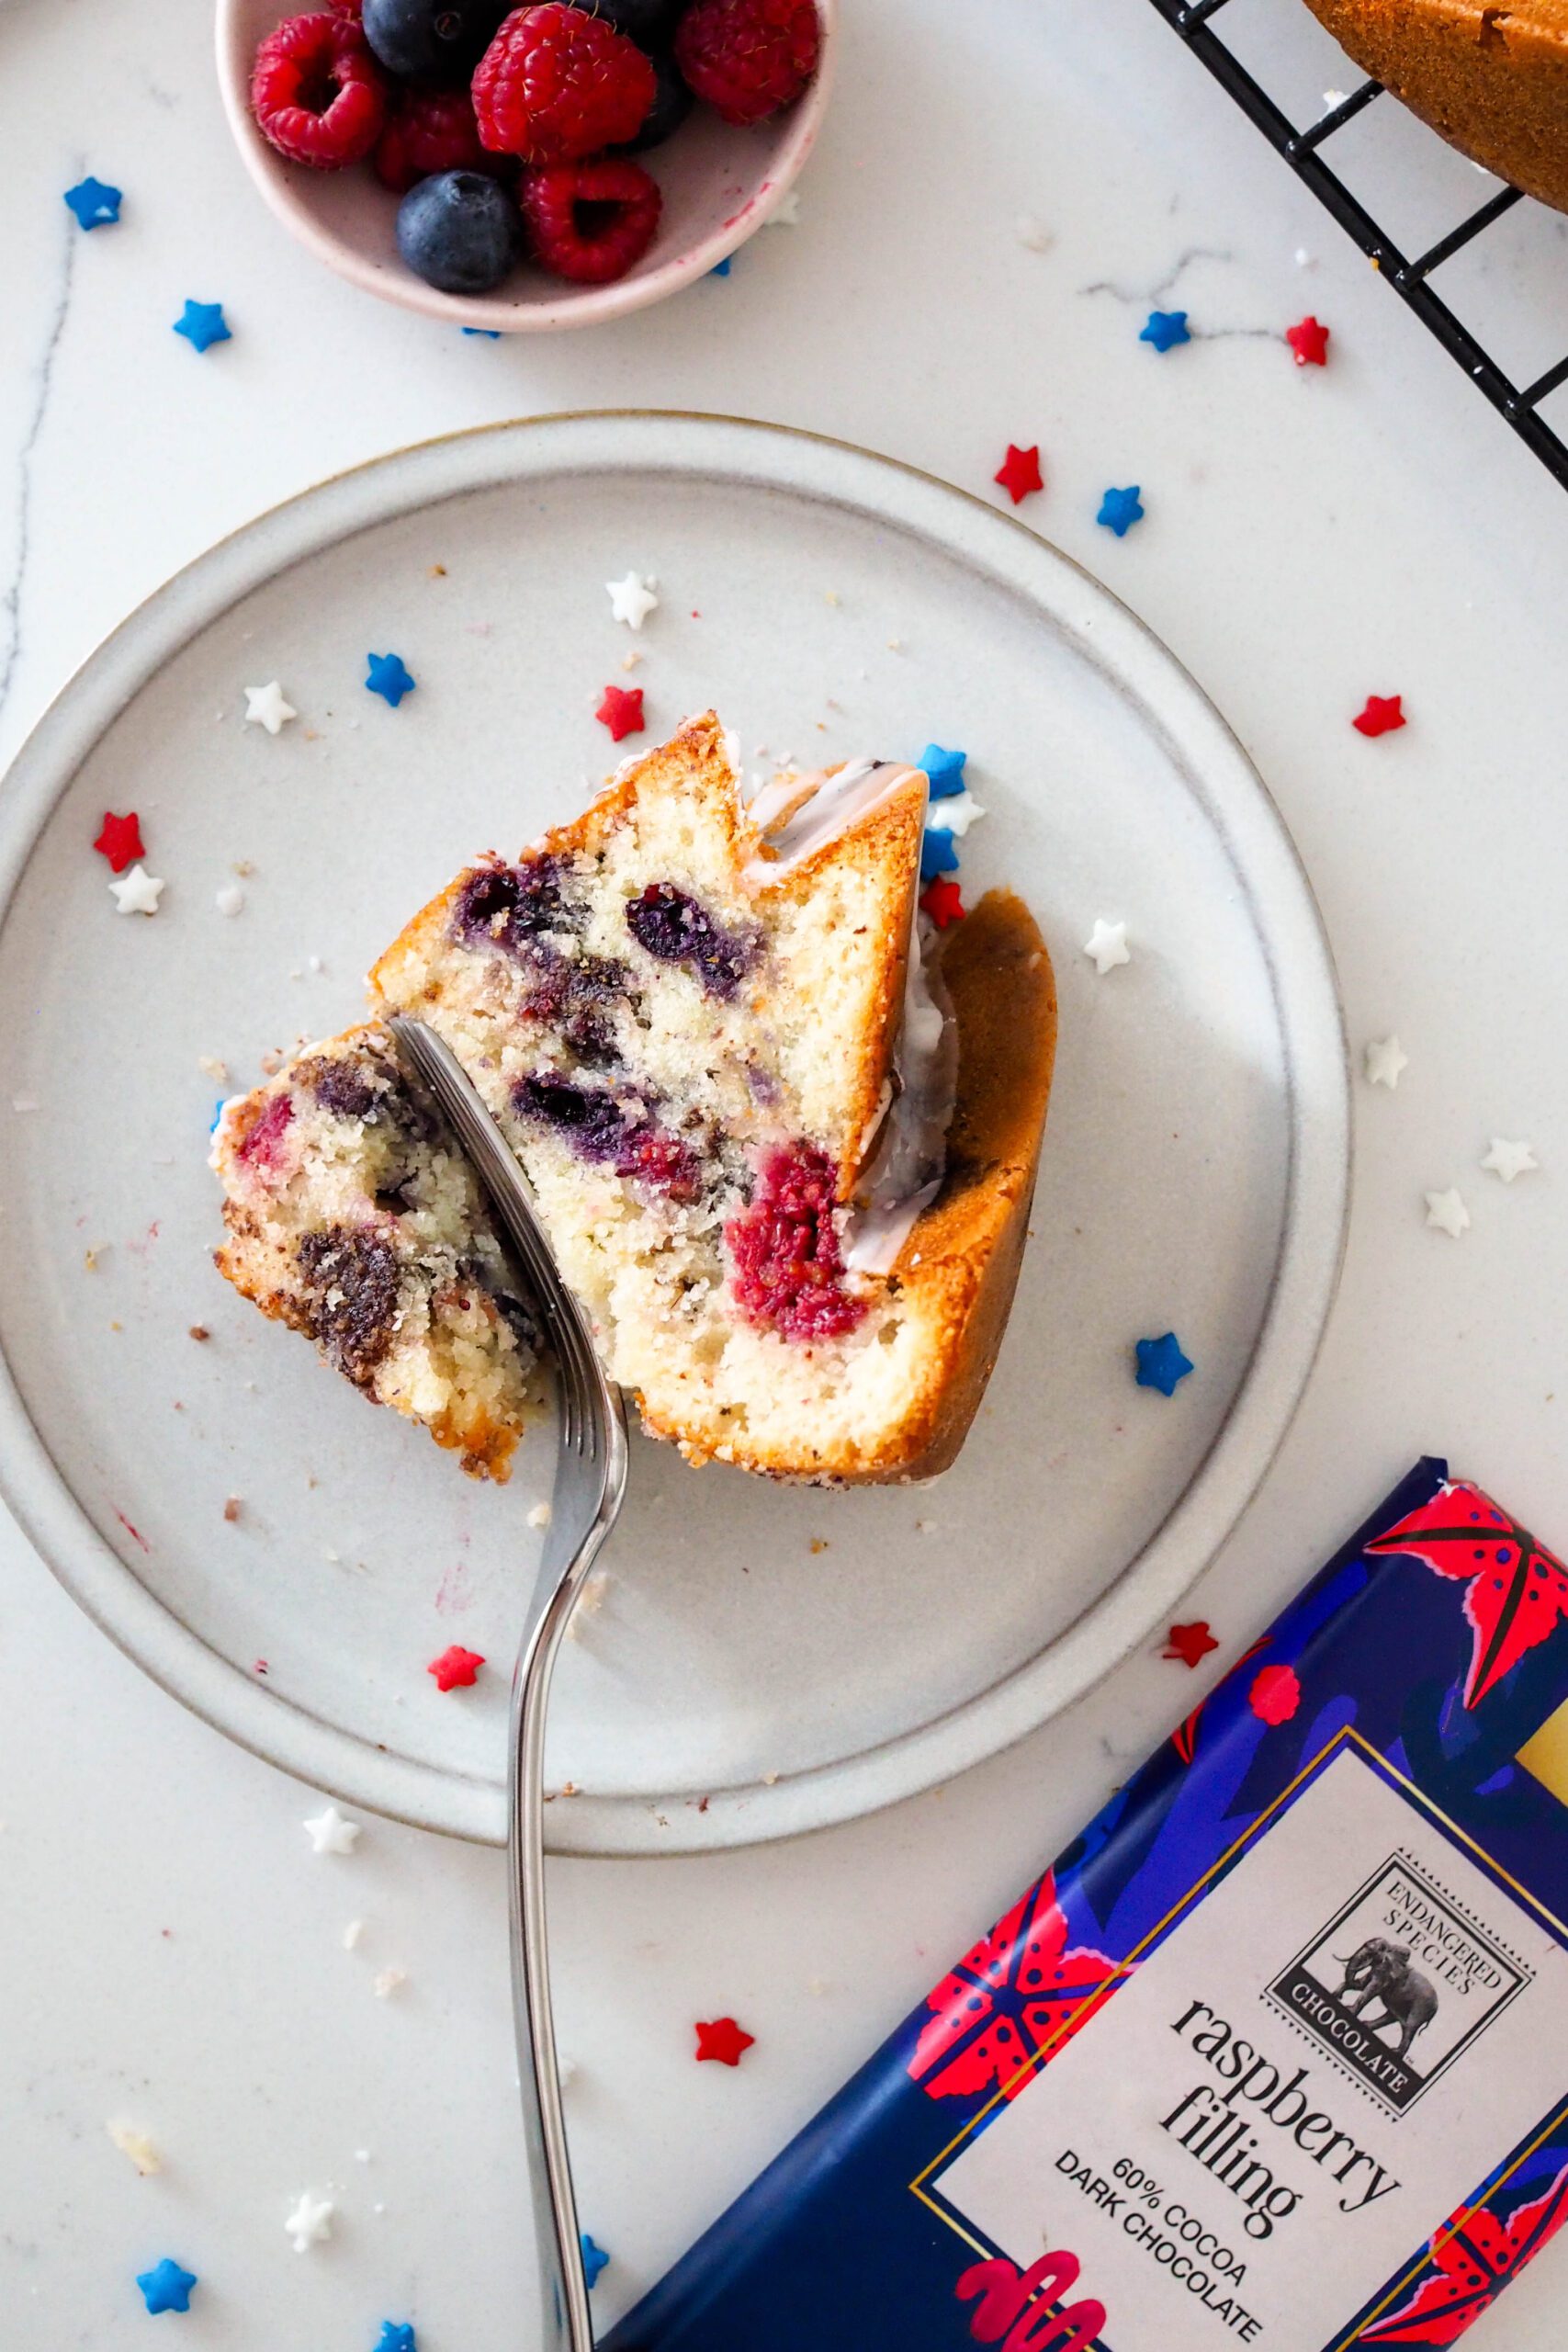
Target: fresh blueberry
[432,41]
[672,104]
[647,22]
[460,232]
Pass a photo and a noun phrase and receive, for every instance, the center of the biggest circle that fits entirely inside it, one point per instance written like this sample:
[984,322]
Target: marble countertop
[171,1954]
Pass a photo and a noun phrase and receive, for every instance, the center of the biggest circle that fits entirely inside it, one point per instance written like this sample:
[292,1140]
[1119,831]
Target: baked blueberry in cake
[352,1218]
[784,1142]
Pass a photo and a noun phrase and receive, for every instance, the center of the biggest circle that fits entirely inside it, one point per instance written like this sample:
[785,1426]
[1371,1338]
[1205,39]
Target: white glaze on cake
[797,816]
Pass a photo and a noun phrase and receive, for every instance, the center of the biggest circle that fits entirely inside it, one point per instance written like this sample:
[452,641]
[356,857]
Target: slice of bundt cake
[725,1055]
[351,1217]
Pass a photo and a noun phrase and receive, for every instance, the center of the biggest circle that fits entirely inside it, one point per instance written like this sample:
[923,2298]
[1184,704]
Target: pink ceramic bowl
[720,183]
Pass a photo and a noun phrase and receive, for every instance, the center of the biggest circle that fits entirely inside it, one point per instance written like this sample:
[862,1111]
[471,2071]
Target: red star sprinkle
[456,1668]
[621,711]
[120,841]
[943,902]
[1381,716]
[1020,475]
[1275,1694]
[1309,340]
[1190,1644]
[724,2040]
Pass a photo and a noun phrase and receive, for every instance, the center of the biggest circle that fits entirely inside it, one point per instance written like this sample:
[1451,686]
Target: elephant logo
[1379,1972]
[1399,1982]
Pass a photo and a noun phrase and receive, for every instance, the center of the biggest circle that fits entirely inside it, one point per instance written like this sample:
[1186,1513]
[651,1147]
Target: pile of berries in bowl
[527,164]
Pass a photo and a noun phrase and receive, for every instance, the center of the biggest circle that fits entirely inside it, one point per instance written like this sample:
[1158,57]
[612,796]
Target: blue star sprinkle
[166,2288]
[1165,330]
[95,203]
[486,334]
[938,855]
[388,678]
[594,2260]
[397,2336]
[1120,509]
[721,268]
[202,324]
[945,769]
[1161,1364]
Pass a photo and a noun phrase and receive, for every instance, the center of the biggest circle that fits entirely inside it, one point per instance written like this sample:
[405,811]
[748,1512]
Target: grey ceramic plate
[765,1660]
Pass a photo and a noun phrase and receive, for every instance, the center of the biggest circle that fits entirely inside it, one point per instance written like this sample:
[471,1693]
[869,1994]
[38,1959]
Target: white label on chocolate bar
[1269,2119]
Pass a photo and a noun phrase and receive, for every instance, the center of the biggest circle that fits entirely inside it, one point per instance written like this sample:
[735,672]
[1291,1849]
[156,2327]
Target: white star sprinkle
[1107,945]
[138,892]
[230,899]
[330,1833]
[1448,1213]
[264,707]
[311,2224]
[632,599]
[1032,234]
[1509,1160]
[786,214]
[956,813]
[1385,1058]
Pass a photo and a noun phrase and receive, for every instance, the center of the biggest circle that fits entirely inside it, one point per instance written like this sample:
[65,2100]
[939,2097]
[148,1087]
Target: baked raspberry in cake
[351,1217]
[782,1143]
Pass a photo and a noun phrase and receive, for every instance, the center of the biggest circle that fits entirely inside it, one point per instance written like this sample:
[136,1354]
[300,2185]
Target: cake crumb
[199,1331]
[819,1544]
[231,1510]
[590,1602]
[137,2146]
[831,597]
[770,1779]
[391,1980]
[352,1933]
[540,1515]
[211,1066]
[438,572]
[925,1527]
[630,660]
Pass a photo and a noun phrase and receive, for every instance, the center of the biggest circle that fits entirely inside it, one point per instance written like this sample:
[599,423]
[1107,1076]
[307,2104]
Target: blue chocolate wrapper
[1276,2054]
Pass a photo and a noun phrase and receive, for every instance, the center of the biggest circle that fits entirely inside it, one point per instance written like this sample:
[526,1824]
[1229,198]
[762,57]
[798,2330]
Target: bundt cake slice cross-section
[353,1219]
[721,1049]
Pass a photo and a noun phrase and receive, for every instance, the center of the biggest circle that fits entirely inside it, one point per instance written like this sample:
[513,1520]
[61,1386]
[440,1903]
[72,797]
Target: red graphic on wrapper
[1275,1694]
[1184,1738]
[1014,2308]
[1474,2254]
[1019,1994]
[1516,1591]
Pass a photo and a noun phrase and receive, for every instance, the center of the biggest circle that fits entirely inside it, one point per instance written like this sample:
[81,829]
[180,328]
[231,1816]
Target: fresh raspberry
[433,131]
[318,92]
[747,57]
[556,84]
[590,221]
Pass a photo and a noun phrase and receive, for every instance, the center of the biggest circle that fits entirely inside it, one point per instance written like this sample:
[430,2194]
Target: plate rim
[1222,1483]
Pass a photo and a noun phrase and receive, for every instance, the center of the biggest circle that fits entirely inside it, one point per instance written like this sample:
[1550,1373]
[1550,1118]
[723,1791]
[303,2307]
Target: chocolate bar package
[1277,2053]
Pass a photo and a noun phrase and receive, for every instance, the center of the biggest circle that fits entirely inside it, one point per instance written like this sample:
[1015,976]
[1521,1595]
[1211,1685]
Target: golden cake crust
[1492,80]
[957,1273]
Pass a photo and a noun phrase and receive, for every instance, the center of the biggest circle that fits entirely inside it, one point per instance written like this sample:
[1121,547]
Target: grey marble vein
[11,603]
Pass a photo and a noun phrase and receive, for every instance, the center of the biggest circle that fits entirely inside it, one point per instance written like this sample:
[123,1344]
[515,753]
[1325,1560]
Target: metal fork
[591,1483]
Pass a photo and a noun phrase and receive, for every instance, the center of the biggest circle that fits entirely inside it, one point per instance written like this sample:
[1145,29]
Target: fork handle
[563,2292]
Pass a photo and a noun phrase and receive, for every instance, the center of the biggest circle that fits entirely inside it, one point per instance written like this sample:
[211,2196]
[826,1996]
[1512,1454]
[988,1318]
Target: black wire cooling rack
[1410,276]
